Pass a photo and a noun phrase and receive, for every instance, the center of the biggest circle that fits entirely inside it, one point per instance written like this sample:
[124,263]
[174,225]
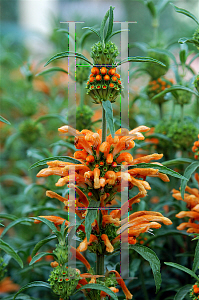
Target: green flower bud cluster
[29,107]
[83,117]
[82,72]
[183,134]
[196,83]
[157,86]
[63,281]
[163,128]
[61,252]
[194,291]
[110,230]
[2,268]
[155,70]
[104,55]
[30,132]
[196,37]
[110,280]
[183,97]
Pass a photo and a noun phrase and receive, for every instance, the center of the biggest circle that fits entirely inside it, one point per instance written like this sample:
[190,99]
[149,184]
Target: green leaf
[182,268]
[195,56]
[50,116]
[164,51]
[55,69]
[102,28]
[41,243]
[153,260]
[9,250]
[109,116]
[183,56]
[2,119]
[48,223]
[8,216]
[174,88]
[99,287]
[162,169]
[32,284]
[40,255]
[24,219]
[188,40]
[116,32]
[161,5]
[177,161]
[64,144]
[196,258]
[187,174]
[183,292]
[67,54]
[110,24]
[140,45]
[61,158]
[91,216]
[159,136]
[140,59]
[2,225]
[151,8]
[93,30]
[185,12]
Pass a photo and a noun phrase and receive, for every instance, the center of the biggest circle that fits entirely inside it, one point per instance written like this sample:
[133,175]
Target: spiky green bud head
[110,280]
[29,107]
[196,37]
[183,97]
[104,54]
[83,117]
[183,134]
[61,252]
[196,82]
[156,86]
[82,71]
[194,291]
[156,70]
[63,281]
[30,132]
[163,128]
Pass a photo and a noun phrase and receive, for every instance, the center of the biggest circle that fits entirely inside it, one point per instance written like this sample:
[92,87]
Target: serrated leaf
[196,258]
[55,69]
[174,88]
[185,12]
[109,116]
[61,158]
[110,24]
[2,119]
[67,54]
[41,243]
[40,255]
[162,169]
[140,59]
[50,116]
[32,284]
[183,292]
[18,221]
[177,161]
[153,260]
[48,223]
[99,287]
[91,216]
[188,172]
[93,30]
[188,40]
[10,251]
[182,268]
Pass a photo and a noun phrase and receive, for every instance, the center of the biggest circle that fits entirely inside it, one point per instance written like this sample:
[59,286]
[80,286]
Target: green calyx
[183,97]
[82,71]
[83,117]
[61,252]
[30,132]
[104,54]
[63,281]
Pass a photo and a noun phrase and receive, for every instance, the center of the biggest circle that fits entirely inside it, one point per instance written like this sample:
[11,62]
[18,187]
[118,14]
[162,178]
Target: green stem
[182,113]
[161,111]
[155,24]
[103,125]
[146,297]
[82,91]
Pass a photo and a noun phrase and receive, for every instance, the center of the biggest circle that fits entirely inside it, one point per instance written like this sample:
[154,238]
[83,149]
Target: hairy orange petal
[109,246]
[122,284]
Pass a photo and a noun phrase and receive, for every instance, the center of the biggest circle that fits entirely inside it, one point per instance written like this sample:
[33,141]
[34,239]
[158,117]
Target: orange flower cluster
[104,84]
[160,84]
[195,149]
[192,200]
[99,170]
[7,285]
[194,292]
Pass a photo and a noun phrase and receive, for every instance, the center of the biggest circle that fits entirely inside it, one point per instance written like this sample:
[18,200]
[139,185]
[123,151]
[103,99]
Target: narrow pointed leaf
[116,32]
[153,260]
[109,116]
[174,88]
[8,216]
[61,158]
[2,119]
[140,45]
[162,169]
[33,284]
[188,40]
[152,8]
[40,255]
[64,144]
[177,161]
[110,24]
[196,258]
[83,38]
[103,24]
[166,52]
[182,268]
[91,216]
[140,59]
[41,243]
[55,69]
[48,223]
[185,12]
[50,116]
[93,30]
[99,287]
[67,54]
[161,5]
[18,221]
[195,56]
[10,251]
[187,174]
[183,292]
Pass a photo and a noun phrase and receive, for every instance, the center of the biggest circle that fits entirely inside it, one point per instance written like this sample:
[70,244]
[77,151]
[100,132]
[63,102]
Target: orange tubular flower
[7,285]
[192,200]
[56,220]
[122,284]
[109,247]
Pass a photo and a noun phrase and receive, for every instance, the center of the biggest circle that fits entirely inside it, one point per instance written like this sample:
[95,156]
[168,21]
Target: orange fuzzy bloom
[54,264]
[84,244]
[80,257]
[96,173]
[106,77]
[98,77]
[56,220]
[104,148]
[125,157]
[112,71]
[7,285]
[80,154]
[103,70]
[95,71]
[109,246]
[109,158]
[122,284]
[111,177]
